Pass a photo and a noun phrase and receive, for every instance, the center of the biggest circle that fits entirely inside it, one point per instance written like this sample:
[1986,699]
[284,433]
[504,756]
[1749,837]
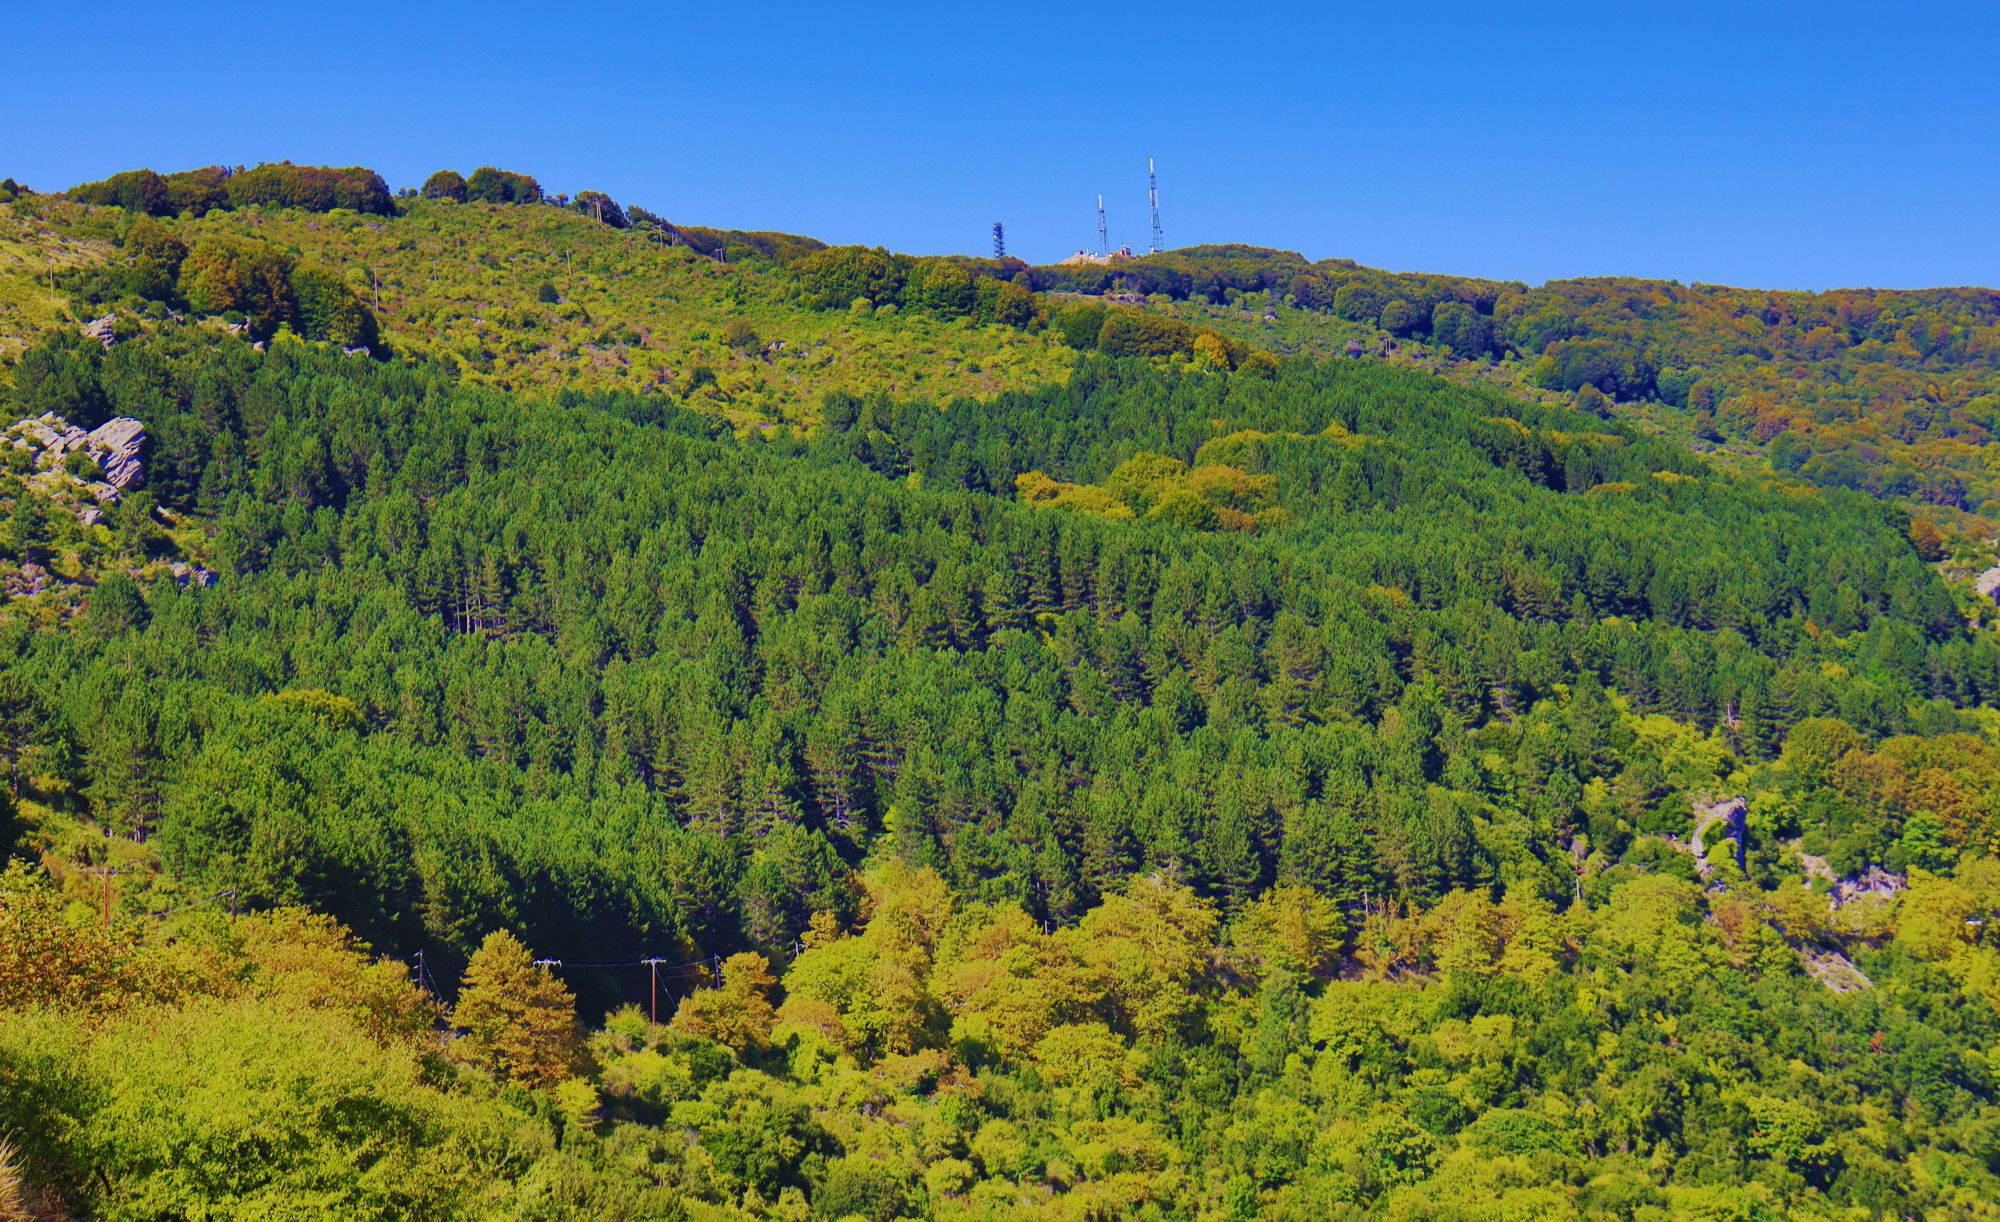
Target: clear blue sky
[1782,145]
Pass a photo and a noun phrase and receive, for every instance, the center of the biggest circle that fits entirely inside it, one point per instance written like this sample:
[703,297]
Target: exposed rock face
[100,329]
[1731,815]
[1874,884]
[1988,584]
[51,436]
[114,448]
[117,445]
[186,575]
[1835,971]
[30,581]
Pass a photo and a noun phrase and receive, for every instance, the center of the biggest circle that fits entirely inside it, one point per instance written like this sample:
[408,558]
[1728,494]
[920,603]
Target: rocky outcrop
[186,575]
[49,436]
[1731,815]
[1988,584]
[115,449]
[117,445]
[101,329]
[30,581]
[1875,883]
[1834,970]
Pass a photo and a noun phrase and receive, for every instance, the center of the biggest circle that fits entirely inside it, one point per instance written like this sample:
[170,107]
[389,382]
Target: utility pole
[654,964]
[106,874]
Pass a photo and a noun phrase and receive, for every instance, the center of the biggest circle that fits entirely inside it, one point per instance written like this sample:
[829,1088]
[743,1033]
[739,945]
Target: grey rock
[52,435]
[1874,883]
[118,445]
[30,581]
[185,574]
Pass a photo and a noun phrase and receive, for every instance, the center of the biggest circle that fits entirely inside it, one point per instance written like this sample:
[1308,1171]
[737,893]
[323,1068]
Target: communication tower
[1153,198]
[1103,235]
[999,240]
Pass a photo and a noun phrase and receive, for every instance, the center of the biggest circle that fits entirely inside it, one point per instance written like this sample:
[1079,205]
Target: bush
[328,310]
[490,186]
[1465,330]
[282,184]
[198,191]
[1401,317]
[224,274]
[1078,324]
[602,207]
[1358,302]
[133,190]
[445,184]
[313,188]
[860,1188]
[1132,333]
[60,375]
[740,335]
[834,279]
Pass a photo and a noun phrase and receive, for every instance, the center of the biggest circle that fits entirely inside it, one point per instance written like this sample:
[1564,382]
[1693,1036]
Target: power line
[228,893]
[663,965]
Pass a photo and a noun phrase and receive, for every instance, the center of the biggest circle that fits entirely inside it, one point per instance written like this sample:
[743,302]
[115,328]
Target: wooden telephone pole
[105,873]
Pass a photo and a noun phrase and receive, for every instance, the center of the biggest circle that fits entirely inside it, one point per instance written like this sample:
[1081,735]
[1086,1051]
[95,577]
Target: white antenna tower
[1153,198]
[1103,242]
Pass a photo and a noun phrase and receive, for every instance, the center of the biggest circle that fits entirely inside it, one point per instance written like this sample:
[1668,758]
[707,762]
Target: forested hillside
[520,297]
[1892,392]
[1889,392]
[1163,781]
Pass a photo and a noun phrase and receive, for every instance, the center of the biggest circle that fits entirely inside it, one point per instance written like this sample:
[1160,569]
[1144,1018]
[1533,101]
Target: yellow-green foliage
[462,283]
[1042,492]
[37,237]
[1208,497]
[520,1022]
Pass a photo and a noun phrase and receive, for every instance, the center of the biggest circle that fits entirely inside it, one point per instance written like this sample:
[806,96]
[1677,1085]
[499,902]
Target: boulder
[1988,584]
[117,445]
[1874,883]
[52,435]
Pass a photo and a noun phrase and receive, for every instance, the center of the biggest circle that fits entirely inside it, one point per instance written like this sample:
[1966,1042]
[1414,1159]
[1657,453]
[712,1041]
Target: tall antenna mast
[1103,242]
[1153,198]
[999,240]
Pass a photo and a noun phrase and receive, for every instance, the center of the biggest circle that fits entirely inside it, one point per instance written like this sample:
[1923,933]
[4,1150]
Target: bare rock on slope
[117,445]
